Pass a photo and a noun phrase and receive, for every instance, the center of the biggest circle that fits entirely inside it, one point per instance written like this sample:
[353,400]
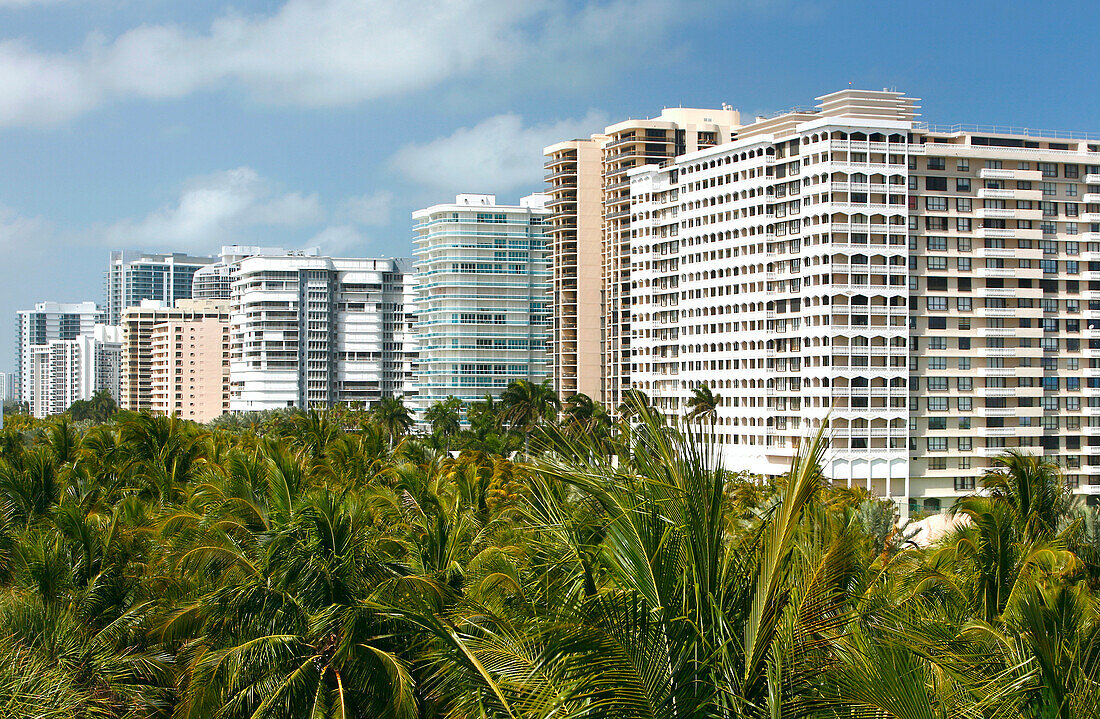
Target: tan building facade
[138,325]
[190,368]
[571,179]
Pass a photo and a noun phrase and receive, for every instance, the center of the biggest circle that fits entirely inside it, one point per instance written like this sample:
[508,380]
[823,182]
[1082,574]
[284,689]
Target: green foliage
[331,564]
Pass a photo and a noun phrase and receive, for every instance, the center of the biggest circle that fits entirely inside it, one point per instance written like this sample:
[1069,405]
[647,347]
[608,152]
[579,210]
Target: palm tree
[704,404]
[393,417]
[527,405]
[445,417]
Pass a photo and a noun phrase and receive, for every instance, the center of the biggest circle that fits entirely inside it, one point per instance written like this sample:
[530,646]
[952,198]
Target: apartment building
[63,371]
[139,324]
[320,331]
[483,317]
[133,276]
[590,195]
[190,368]
[7,386]
[928,290]
[48,322]
[213,282]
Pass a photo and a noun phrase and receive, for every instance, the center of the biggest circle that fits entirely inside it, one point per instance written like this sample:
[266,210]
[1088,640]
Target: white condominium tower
[590,240]
[483,296]
[133,276]
[310,331]
[213,281]
[47,322]
[928,289]
[65,355]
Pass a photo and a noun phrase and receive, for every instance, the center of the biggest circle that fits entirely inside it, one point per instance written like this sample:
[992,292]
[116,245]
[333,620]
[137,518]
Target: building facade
[190,368]
[47,322]
[929,291]
[320,331]
[483,312]
[63,371]
[139,324]
[213,282]
[134,276]
[577,187]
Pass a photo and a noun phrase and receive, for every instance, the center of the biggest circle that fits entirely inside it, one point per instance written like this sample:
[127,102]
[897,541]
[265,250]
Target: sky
[172,125]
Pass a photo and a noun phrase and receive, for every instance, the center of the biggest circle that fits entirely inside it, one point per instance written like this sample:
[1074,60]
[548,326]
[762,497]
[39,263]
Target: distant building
[7,386]
[483,317]
[61,372]
[47,322]
[133,276]
[138,327]
[189,370]
[310,331]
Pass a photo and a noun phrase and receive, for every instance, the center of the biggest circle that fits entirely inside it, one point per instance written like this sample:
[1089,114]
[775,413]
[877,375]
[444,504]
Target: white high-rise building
[7,386]
[213,281]
[61,372]
[49,321]
[133,276]
[320,331]
[930,291]
[483,317]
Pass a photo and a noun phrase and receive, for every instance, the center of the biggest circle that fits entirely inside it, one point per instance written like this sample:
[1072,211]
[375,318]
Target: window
[966,384]
[963,224]
[940,163]
[938,343]
[937,304]
[937,444]
[966,404]
[1049,188]
[935,363]
[966,444]
[938,384]
[937,463]
[962,184]
[935,203]
[1049,169]
[936,263]
[963,165]
[935,184]
[937,244]
[938,404]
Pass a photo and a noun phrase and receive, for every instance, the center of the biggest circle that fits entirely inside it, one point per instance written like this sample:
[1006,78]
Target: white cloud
[319,53]
[370,209]
[338,239]
[217,209]
[499,153]
[19,233]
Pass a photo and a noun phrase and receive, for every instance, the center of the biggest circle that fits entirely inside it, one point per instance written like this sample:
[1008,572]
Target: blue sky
[185,125]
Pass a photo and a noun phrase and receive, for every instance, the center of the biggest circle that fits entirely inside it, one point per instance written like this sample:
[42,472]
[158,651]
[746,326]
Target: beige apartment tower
[138,326]
[590,239]
[190,368]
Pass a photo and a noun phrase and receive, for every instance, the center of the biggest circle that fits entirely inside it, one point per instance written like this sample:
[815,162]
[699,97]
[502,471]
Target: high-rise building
[49,321]
[213,281]
[7,386]
[190,368]
[928,290]
[483,296]
[320,331]
[138,327]
[133,276]
[577,186]
[63,371]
